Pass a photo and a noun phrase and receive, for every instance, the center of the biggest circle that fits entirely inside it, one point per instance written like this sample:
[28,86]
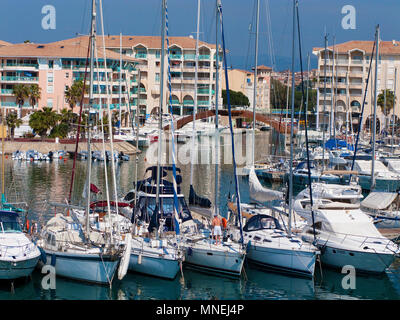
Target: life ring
[224,223]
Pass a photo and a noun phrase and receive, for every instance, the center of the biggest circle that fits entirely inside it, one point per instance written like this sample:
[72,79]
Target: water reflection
[36,183]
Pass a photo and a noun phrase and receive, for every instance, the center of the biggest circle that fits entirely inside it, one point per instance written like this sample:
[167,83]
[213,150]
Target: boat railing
[365,239]
[24,250]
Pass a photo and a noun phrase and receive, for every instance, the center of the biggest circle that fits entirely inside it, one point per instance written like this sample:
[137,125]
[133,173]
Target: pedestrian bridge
[273,122]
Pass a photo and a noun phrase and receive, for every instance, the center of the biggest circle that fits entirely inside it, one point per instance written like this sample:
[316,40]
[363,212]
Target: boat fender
[53,260]
[224,223]
[43,256]
[139,261]
[124,263]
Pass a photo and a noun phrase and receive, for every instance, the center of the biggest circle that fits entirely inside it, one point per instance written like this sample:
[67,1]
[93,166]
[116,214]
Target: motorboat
[18,254]
[345,235]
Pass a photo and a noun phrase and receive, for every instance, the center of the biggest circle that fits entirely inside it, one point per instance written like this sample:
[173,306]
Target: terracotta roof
[4,43]
[385,47]
[36,50]
[151,42]
[262,67]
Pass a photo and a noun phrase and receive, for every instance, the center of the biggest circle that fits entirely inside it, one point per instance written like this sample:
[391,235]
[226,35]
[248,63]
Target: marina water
[36,183]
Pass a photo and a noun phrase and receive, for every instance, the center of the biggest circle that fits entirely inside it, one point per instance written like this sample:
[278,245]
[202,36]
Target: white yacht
[18,254]
[345,235]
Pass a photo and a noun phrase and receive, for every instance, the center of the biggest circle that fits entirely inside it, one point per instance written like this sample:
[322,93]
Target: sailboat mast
[89,162]
[394,104]
[291,126]
[195,92]
[308,84]
[375,107]
[218,3]
[324,117]
[255,85]
[164,5]
[137,135]
[120,83]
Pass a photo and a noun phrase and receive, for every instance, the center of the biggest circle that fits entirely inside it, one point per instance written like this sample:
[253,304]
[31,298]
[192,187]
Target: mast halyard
[255,86]
[89,162]
[375,107]
[216,190]
[163,13]
[195,94]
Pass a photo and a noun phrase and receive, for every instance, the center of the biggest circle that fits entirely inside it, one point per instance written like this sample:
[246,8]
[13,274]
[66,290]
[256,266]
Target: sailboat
[201,251]
[270,244]
[68,242]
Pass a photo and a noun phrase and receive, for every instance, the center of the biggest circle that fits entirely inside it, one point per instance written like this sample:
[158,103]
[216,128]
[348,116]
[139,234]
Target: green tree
[43,120]
[236,98]
[13,122]
[390,100]
[21,93]
[66,120]
[34,94]
[73,93]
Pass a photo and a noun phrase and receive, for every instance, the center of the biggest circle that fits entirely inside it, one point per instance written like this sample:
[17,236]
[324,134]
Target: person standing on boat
[216,228]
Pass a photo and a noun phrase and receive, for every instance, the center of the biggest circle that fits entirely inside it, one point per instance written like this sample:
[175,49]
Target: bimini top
[378,200]
[260,222]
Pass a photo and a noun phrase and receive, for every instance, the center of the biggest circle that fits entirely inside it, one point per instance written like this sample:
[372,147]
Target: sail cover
[258,192]
[378,200]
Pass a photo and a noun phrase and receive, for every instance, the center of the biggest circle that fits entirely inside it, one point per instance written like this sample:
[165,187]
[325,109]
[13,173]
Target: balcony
[175,56]
[20,65]
[141,55]
[7,91]
[13,104]
[189,56]
[203,103]
[19,79]
[188,102]
[204,57]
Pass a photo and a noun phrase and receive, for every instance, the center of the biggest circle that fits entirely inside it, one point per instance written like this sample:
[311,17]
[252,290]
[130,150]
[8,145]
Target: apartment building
[53,67]
[182,57]
[243,81]
[346,74]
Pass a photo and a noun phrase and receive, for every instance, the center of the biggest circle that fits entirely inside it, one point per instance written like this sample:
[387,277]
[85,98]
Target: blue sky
[21,20]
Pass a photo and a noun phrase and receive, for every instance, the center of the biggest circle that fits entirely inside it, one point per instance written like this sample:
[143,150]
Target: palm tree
[21,92]
[73,93]
[43,120]
[34,94]
[13,122]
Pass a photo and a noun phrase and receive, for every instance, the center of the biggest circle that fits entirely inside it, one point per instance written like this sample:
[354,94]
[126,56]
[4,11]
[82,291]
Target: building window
[51,64]
[50,89]
[67,75]
[50,103]
[157,77]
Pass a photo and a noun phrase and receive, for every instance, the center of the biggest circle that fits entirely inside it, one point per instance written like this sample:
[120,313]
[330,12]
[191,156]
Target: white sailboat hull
[83,267]
[283,260]
[229,263]
[154,266]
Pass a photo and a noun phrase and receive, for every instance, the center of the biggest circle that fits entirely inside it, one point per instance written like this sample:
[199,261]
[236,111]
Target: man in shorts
[216,228]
